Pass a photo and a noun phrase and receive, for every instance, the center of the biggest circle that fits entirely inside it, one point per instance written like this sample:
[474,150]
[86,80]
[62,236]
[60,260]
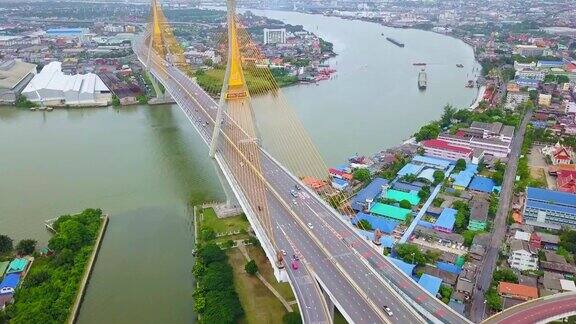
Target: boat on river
[422,80]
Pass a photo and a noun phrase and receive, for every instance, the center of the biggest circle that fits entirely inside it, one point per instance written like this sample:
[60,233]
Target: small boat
[49,109]
[470,84]
[460,65]
[419,64]
[422,80]
[32,108]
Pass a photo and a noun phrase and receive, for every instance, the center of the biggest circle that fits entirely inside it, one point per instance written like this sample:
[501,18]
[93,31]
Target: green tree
[410,253]
[361,175]
[251,267]
[568,240]
[424,192]
[207,234]
[26,247]
[445,293]
[493,300]
[364,224]
[447,116]
[5,244]
[460,165]
[505,275]
[438,176]
[405,204]
[428,132]
[115,101]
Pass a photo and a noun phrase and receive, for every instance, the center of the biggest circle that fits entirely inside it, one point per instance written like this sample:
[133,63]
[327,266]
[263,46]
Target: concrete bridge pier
[230,197]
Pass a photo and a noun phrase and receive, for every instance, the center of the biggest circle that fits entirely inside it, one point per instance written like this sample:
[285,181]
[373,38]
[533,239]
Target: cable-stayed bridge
[336,267]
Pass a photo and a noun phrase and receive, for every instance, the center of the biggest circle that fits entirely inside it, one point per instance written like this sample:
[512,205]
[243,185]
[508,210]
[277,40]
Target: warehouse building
[14,76]
[51,87]
[550,209]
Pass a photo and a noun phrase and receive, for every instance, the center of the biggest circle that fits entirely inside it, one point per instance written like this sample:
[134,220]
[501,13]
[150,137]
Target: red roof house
[566,181]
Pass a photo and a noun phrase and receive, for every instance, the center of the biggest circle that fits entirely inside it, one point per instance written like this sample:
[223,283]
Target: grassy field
[538,174]
[224,224]
[265,269]
[211,81]
[260,305]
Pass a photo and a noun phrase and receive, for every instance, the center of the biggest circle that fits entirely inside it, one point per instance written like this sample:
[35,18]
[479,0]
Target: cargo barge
[395,42]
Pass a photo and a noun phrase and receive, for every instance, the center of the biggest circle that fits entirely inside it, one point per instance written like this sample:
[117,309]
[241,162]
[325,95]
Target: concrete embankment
[87,273]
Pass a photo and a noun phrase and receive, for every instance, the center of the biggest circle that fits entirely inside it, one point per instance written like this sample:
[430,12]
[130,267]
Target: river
[145,165]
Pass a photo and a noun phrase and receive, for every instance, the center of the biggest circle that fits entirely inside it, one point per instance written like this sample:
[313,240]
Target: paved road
[347,266]
[537,311]
[478,308]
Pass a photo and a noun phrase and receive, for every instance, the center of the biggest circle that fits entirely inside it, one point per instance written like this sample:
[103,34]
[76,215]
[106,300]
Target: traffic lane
[312,255]
[340,251]
[531,313]
[398,278]
[310,298]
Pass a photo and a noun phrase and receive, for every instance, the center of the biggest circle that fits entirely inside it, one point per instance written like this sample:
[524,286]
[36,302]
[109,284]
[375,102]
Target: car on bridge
[388,310]
[295,264]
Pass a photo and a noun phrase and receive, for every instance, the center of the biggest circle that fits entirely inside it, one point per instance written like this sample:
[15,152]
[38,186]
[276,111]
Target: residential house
[478,214]
[517,291]
[521,256]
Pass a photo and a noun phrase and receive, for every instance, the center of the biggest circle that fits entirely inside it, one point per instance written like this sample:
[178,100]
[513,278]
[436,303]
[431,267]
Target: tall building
[274,36]
[550,209]
[51,87]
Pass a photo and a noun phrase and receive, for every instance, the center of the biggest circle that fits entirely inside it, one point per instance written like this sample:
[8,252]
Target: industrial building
[51,87]
[14,76]
[550,209]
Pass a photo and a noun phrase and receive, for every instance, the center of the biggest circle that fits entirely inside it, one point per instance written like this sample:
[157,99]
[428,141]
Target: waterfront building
[274,36]
[14,76]
[51,87]
[550,209]
[521,256]
[444,150]
[494,130]
[478,215]
[491,146]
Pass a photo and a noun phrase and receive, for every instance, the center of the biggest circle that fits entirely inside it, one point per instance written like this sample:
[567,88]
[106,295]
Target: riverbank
[54,285]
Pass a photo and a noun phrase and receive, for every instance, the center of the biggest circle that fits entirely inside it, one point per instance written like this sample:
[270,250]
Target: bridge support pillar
[230,197]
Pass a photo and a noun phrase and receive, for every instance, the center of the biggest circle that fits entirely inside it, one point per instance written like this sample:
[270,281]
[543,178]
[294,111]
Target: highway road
[537,311]
[348,268]
[478,308]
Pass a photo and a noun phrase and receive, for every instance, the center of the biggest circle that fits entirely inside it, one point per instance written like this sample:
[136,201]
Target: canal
[145,166]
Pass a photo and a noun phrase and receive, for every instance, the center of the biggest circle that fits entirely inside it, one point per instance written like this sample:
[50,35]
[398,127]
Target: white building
[529,50]
[514,99]
[274,36]
[51,87]
[521,257]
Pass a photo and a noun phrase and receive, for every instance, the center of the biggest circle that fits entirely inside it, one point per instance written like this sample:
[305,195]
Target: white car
[7,290]
[387,310]
[283,252]
[310,226]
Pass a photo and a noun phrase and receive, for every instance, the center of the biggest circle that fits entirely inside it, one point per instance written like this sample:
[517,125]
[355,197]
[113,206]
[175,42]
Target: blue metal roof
[464,177]
[440,163]
[370,192]
[551,196]
[425,224]
[448,267]
[403,186]
[340,182]
[410,168]
[430,283]
[385,225]
[10,280]
[446,218]
[550,207]
[407,268]
[483,184]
